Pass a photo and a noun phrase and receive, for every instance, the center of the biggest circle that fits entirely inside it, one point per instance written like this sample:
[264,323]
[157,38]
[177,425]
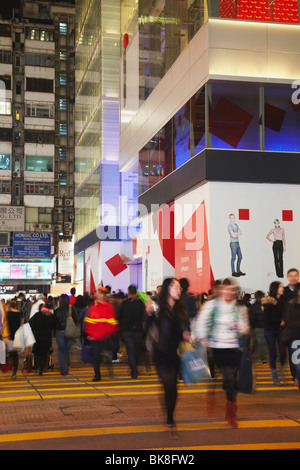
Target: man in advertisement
[234,232]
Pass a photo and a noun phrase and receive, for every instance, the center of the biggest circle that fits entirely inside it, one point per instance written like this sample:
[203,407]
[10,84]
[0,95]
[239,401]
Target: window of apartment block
[63,153]
[39,188]
[63,29]
[5,187]
[31,215]
[63,79]
[63,178]
[63,54]
[5,107]
[5,57]
[41,110]
[5,82]
[5,134]
[63,128]
[4,161]
[38,137]
[39,34]
[5,30]
[63,104]
[38,163]
[40,85]
[39,60]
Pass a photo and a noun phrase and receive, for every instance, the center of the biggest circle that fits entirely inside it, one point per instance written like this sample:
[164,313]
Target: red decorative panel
[283,11]
[229,122]
[274,117]
[116,265]
[287,216]
[244,214]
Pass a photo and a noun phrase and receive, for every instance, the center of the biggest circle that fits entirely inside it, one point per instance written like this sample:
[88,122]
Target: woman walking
[42,325]
[14,320]
[219,326]
[172,324]
[64,344]
[273,306]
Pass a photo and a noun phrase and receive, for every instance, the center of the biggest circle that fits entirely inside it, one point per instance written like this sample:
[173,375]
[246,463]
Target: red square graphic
[229,122]
[274,117]
[287,216]
[116,265]
[244,214]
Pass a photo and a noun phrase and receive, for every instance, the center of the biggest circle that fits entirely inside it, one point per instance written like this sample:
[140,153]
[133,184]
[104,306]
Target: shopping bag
[24,338]
[245,376]
[7,366]
[152,338]
[194,363]
[19,340]
[29,336]
[87,353]
[2,352]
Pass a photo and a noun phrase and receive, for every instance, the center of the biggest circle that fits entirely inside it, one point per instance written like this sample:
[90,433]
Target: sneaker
[115,360]
[235,274]
[241,274]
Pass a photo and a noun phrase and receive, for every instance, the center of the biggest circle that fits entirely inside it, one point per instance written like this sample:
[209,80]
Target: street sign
[32,245]
[5,251]
[12,218]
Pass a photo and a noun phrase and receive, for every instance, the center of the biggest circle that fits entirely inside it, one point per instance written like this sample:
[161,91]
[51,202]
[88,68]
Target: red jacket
[100,321]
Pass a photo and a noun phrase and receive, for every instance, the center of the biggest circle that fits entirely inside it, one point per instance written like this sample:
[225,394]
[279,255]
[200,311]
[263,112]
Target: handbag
[245,375]
[152,338]
[71,330]
[194,363]
[27,364]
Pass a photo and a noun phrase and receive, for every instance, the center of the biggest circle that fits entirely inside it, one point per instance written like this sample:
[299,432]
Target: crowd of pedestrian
[268,324]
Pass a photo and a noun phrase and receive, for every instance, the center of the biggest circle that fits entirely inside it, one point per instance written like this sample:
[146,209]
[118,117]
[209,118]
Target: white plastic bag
[24,338]
[2,352]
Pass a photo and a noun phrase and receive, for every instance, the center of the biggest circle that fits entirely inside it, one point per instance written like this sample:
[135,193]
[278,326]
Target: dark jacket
[42,325]
[189,302]
[256,316]
[291,318]
[14,322]
[132,315]
[61,316]
[273,313]
[289,294]
[171,326]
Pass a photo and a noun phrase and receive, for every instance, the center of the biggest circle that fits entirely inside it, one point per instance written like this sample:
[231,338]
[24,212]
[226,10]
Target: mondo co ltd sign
[32,245]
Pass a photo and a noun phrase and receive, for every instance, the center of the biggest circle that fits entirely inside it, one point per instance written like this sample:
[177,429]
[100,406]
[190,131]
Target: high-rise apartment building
[37,78]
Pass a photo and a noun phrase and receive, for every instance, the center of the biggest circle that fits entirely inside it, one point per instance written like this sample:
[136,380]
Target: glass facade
[155,34]
[235,116]
[97,110]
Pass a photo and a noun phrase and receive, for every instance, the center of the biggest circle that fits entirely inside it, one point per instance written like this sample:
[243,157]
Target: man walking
[132,315]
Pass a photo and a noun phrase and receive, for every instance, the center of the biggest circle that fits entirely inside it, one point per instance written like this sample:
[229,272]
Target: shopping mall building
[208,111]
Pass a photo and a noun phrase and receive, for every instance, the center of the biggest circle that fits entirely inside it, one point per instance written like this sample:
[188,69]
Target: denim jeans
[132,340]
[235,252]
[259,350]
[64,346]
[273,337]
